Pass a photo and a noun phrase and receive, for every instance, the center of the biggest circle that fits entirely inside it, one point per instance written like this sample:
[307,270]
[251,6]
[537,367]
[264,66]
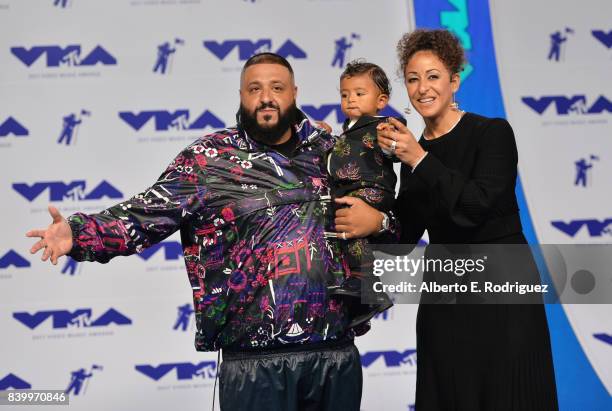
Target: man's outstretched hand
[56,239]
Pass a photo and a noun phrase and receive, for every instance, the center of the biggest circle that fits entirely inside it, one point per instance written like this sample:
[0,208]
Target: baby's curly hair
[377,74]
[441,42]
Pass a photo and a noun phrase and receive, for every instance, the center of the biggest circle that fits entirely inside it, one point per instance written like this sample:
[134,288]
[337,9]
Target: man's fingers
[346,200]
[342,212]
[55,214]
[54,256]
[343,221]
[344,229]
[46,254]
[35,233]
[39,244]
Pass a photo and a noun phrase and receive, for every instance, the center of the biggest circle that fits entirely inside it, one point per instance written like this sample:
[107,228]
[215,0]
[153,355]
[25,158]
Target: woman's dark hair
[440,42]
[377,74]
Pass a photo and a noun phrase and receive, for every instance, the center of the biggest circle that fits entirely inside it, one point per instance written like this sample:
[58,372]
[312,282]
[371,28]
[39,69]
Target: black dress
[474,357]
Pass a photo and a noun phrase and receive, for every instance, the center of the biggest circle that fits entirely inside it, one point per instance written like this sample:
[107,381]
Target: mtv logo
[322,112]
[184,370]
[80,318]
[173,250]
[606,338]
[63,56]
[596,228]
[248,48]
[603,37]
[14,382]
[60,191]
[391,358]
[564,105]
[14,127]
[167,120]
[12,258]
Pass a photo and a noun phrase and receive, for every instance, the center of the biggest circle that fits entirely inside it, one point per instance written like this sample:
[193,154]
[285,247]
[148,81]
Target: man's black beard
[268,135]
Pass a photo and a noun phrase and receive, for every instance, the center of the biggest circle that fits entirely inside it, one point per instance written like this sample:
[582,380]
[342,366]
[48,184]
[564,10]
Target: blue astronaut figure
[582,166]
[163,54]
[76,381]
[71,121]
[70,267]
[342,45]
[556,39]
[184,314]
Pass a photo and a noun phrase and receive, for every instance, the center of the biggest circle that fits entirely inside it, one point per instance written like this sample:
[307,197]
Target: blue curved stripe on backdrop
[578,386]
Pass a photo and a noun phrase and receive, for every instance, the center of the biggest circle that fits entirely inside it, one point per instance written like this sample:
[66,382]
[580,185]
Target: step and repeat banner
[97,97]
[555,78]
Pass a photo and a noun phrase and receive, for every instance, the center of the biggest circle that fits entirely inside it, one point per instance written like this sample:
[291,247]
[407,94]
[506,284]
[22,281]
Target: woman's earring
[408,110]
[454,105]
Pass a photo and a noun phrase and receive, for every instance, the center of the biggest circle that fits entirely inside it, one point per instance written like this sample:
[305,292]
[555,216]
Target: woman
[457,182]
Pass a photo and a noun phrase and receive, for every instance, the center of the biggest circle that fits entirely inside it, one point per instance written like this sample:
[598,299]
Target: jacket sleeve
[148,217]
[468,200]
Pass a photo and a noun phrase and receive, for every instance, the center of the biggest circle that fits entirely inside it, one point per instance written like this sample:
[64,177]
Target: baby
[358,167]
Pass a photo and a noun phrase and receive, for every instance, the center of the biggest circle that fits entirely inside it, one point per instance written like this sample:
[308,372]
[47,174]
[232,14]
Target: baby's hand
[324,126]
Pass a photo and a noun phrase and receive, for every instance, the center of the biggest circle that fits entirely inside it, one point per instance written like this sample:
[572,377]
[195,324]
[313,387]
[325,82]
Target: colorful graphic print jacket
[252,228]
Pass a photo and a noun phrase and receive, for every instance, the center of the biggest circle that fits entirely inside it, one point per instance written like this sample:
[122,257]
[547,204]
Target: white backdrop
[124,337]
[559,101]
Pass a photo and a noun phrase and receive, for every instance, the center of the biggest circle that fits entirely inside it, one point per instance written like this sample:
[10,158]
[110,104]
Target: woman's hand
[407,149]
[358,219]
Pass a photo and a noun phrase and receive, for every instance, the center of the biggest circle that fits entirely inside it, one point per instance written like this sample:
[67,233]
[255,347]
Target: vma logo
[14,127]
[384,316]
[556,43]
[565,105]
[79,379]
[62,3]
[12,258]
[184,370]
[603,37]
[165,53]
[606,338]
[74,190]
[184,315]
[342,46]
[391,358]
[456,19]
[69,56]
[167,120]
[70,127]
[595,228]
[247,48]
[80,318]
[321,112]
[172,250]
[14,382]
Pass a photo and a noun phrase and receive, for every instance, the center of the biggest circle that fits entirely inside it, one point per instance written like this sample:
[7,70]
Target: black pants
[318,377]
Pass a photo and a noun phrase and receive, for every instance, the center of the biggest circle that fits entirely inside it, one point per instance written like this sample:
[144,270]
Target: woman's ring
[343,235]
[393,145]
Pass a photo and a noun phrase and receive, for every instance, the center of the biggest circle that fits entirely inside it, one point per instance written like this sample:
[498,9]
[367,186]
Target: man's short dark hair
[267,58]
[377,74]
